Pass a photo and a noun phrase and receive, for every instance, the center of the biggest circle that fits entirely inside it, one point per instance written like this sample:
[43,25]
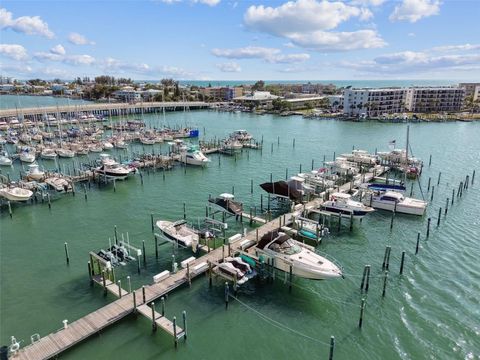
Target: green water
[431,312]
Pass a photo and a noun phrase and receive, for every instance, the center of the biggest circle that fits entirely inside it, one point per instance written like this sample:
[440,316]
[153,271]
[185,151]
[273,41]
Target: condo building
[373,102]
[435,99]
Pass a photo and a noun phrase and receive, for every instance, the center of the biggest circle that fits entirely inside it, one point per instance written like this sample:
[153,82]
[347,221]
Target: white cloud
[367,2]
[414,10]
[306,23]
[271,55]
[66,59]
[13,51]
[78,39]
[462,47]
[338,41]
[229,67]
[16,69]
[115,66]
[411,62]
[58,49]
[30,25]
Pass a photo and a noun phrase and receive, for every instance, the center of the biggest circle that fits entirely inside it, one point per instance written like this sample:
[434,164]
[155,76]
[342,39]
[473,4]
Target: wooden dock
[54,344]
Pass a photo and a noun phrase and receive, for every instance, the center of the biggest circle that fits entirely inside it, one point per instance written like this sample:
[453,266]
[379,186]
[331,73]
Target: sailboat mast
[408,139]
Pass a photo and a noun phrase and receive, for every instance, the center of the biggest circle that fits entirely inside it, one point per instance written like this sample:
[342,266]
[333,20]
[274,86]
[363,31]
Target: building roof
[312,98]
[258,96]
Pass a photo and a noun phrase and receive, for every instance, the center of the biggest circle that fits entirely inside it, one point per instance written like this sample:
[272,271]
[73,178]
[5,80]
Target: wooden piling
[226,295]
[10,209]
[332,347]
[144,253]
[428,227]
[154,323]
[385,278]
[184,315]
[66,254]
[162,299]
[433,191]
[428,186]
[446,206]
[362,309]
[152,223]
[402,261]
[290,277]
[418,243]
[439,175]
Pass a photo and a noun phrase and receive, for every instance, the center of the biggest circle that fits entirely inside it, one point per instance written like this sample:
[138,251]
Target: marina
[336,302]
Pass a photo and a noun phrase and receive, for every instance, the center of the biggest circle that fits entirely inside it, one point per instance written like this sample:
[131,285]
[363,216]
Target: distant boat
[5,160]
[286,252]
[48,154]
[34,172]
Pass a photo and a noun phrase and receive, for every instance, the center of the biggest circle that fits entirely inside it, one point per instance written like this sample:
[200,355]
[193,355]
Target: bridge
[111,109]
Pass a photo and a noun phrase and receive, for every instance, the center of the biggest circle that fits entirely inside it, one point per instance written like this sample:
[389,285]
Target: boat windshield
[287,247]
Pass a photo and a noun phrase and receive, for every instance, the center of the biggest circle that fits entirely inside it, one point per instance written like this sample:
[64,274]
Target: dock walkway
[79,330]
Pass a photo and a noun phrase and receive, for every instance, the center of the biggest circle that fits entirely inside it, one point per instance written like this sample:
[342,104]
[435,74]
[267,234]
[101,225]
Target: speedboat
[147,141]
[65,153]
[107,145]
[232,145]
[304,262]
[5,160]
[59,184]
[342,204]
[395,201]
[34,172]
[236,269]
[14,193]
[179,232]
[48,154]
[227,204]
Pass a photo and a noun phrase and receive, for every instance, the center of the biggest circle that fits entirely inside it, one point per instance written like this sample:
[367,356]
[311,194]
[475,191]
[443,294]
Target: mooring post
[439,216]
[104,282]
[151,220]
[188,275]
[418,243]
[385,283]
[364,276]
[402,261]
[439,175]
[428,227]
[184,314]
[332,347]
[90,273]
[430,160]
[143,294]
[453,195]
[251,186]
[66,254]
[291,276]
[119,283]
[433,190]
[10,209]
[115,233]
[391,220]
[428,186]
[386,258]
[473,176]
[226,295]
[351,222]
[362,309]
[156,246]
[446,206]
[134,301]
[184,211]
[154,323]
[209,274]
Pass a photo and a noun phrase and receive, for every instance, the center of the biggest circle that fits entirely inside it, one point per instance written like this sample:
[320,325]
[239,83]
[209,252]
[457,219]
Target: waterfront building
[304,102]
[257,98]
[471,90]
[435,99]
[222,93]
[128,94]
[373,102]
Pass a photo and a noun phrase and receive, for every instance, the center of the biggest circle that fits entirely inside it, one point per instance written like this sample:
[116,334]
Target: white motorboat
[14,193]
[3,141]
[111,169]
[193,156]
[65,153]
[286,252]
[59,184]
[48,154]
[120,144]
[395,201]
[147,141]
[34,172]
[236,269]
[241,135]
[179,232]
[342,204]
[107,145]
[5,160]
[27,156]
[95,148]
[232,145]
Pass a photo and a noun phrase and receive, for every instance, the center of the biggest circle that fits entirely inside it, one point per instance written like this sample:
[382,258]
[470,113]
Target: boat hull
[400,208]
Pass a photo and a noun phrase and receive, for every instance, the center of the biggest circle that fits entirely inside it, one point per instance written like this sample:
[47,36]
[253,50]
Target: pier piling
[66,254]
[154,323]
[433,191]
[402,262]
[439,216]
[362,309]
[418,243]
[332,347]
[439,175]
[184,315]
[428,227]
[385,278]
[226,295]
[10,209]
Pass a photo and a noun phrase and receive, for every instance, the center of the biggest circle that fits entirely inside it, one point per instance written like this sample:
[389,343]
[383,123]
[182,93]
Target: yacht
[179,232]
[14,193]
[193,156]
[5,159]
[232,145]
[241,135]
[111,169]
[34,172]
[395,201]
[286,252]
[342,204]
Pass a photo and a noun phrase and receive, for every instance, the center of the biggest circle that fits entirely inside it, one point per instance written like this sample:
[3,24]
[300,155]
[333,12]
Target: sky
[241,40]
